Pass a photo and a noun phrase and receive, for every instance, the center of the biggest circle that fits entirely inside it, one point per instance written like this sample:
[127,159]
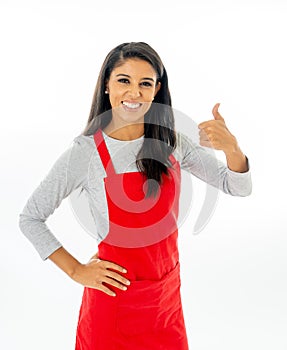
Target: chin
[132,120]
[129,117]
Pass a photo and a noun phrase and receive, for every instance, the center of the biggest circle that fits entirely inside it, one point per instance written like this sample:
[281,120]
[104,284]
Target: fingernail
[124,270]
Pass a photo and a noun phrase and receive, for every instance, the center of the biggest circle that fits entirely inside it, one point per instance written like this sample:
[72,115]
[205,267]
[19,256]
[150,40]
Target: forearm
[65,261]
[237,161]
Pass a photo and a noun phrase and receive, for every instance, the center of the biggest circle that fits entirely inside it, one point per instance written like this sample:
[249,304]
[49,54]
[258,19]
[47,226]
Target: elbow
[22,223]
[25,224]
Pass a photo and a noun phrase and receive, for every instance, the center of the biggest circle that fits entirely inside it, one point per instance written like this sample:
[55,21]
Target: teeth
[131,105]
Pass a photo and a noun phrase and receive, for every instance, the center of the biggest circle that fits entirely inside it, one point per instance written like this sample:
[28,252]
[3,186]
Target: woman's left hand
[215,134]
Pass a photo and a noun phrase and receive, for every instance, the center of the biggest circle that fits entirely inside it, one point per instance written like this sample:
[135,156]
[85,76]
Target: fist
[215,134]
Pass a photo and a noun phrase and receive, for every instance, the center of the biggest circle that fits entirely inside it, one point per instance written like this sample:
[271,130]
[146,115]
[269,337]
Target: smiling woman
[131,97]
[133,73]
[131,298]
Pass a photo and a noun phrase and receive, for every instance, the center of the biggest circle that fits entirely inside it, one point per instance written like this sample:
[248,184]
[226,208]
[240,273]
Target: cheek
[149,94]
[116,95]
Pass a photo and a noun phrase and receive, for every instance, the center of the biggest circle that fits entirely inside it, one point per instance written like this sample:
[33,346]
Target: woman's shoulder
[81,151]
[83,145]
[84,140]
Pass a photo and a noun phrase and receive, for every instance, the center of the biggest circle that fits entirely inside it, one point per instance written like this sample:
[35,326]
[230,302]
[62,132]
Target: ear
[107,85]
[158,85]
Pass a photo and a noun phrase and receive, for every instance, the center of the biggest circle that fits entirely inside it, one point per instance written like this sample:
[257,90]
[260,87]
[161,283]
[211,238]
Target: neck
[124,133]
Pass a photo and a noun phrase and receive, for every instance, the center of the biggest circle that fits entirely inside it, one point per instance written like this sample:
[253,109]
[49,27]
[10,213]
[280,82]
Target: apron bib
[142,238]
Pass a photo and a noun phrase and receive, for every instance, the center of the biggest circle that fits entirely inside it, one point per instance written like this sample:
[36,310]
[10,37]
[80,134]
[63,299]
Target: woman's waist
[154,289]
[141,263]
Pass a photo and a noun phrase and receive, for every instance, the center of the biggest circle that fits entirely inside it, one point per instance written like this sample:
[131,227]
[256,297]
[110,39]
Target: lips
[131,105]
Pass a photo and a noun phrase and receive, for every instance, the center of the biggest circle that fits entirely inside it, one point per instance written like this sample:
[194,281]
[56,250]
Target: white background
[234,272]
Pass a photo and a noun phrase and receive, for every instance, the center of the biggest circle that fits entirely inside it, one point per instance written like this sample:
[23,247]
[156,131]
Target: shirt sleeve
[66,175]
[202,163]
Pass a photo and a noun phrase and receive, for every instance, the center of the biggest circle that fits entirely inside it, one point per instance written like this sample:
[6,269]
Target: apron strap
[103,152]
[172,158]
[105,156]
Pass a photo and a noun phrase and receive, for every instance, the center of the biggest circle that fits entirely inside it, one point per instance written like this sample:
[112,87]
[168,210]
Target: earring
[106,92]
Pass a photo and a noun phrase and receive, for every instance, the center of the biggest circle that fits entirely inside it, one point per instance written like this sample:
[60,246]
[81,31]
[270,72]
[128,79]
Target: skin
[91,274]
[215,134]
[127,125]
[124,125]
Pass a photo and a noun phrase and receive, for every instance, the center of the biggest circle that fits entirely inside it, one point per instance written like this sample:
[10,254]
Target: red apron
[143,239]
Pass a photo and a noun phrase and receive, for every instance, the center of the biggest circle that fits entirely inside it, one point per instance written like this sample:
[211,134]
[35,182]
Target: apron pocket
[149,306]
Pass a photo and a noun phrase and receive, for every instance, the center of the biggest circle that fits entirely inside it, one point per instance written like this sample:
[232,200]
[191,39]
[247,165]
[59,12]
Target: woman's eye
[126,81]
[145,83]
[123,80]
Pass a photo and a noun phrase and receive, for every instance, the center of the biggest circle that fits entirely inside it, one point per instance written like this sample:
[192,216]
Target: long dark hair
[152,158]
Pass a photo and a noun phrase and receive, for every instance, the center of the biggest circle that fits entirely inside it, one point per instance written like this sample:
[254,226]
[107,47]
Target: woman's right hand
[96,271]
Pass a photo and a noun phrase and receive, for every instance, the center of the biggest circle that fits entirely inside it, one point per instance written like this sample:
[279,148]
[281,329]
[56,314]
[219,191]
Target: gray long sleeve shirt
[80,167]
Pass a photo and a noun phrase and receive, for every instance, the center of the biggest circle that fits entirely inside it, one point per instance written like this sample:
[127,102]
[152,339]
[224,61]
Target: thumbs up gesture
[215,134]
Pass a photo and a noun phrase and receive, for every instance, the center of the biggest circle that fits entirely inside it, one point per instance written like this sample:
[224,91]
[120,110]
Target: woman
[129,160]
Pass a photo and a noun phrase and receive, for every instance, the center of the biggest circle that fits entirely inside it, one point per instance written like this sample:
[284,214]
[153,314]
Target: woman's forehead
[135,66]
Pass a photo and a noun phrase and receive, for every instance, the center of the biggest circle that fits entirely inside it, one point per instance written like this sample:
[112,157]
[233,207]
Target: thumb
[95,256]
[216,114]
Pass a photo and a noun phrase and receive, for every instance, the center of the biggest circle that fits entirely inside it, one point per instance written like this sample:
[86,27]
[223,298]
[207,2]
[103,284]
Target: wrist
[76,270]
[233,149]
[236,160]
[65,261]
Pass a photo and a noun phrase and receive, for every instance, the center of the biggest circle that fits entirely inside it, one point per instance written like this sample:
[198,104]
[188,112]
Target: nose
[134,91]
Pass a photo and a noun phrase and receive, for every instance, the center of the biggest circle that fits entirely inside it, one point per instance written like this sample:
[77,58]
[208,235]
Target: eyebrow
[129,77]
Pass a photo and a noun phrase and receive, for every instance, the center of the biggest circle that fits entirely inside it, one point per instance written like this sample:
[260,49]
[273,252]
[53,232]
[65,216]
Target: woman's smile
[131,85]
[131,106]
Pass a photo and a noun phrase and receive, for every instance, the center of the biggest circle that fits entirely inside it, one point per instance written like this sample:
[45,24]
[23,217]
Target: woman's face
[132,87]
